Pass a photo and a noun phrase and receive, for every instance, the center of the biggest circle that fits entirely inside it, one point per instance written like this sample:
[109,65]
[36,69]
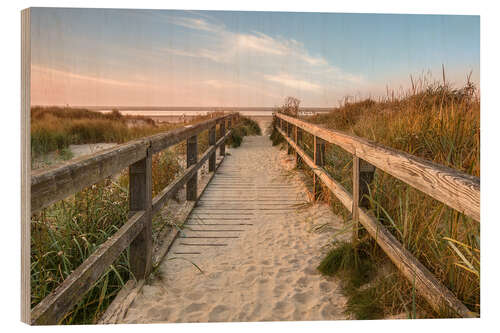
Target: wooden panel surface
[426,284]
[453,188]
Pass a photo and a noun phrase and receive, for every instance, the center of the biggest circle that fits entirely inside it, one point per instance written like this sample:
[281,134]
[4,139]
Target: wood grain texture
[319,160]
[456,189]
[288,134]
[355,198]
[192,158]
[53,184]
[50,186]
[140,192]
[169,191]
[211,142]
[182,215]
[162,141]
[366,175]
[25,164]
[298,140]
[51,309]
[436,294]
[222,134]
[121,303]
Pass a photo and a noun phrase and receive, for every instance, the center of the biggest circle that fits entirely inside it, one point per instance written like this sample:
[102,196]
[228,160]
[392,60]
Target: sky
[221,58]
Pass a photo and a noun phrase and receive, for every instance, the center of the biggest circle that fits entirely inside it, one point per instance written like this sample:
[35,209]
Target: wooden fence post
[192,158]
[355,199]
[298,141]
[362,176]
[319,160]
[366,174]
[140,198]
[288,134]
[211,142]
[222,133]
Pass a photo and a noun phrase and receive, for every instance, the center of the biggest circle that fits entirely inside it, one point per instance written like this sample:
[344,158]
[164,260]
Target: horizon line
[184,108]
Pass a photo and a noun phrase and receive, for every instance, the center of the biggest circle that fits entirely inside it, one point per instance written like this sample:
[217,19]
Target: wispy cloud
[263,43]
[195,23]
[295,83]
[227,67]
[265,56]
[260,42]
[201,53]
[50,72]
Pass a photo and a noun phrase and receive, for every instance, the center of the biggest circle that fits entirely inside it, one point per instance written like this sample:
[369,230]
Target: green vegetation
[66,233]
[275,137]
[435,122]
[369,288]
[54,128]
[354,262]
[246,126]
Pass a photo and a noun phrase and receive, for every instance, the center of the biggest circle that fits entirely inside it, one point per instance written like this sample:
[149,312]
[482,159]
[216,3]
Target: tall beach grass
[66,233]
[441,124]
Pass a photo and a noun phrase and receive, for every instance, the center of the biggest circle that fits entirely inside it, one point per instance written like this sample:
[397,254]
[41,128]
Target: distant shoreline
[185,108]
[185,114]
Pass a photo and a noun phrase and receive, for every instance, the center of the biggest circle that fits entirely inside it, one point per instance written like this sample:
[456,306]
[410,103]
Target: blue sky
[153,57]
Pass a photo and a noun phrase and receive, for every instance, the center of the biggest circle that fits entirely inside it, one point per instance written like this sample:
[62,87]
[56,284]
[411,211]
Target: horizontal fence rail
[455,189]
[52,185]
[459,188]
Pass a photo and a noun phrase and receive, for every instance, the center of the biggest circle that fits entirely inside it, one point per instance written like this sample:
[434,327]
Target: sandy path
[256,249]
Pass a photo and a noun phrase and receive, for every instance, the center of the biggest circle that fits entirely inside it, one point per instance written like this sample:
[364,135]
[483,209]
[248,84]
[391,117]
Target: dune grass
[53,129]
[441,124]
[66,233]
[246,126]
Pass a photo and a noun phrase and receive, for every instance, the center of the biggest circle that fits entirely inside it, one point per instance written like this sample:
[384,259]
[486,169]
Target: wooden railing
[455,189]
[50,186]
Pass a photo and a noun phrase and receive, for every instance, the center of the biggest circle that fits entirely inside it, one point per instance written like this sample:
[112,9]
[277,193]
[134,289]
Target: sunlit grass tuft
[441,124]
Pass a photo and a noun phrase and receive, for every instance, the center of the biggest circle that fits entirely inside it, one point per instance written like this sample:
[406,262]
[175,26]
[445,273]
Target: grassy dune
[66,233]
[440,124]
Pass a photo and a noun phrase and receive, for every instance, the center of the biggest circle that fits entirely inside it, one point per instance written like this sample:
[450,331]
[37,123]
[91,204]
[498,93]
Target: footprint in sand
[325,287]
[250,279]
[251,269]
[197,295]
[218,313]
[195,307]
[329,311]
[263,280]
[255,312]
[302,282]
[159,314]
[278,290]
[283,272]
[301,298]
[282,307]
[311,270]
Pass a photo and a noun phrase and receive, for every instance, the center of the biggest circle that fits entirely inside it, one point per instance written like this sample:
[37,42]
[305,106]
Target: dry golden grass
[66,233]
[440,124]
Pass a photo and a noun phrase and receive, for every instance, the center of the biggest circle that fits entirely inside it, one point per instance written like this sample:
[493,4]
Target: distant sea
[180,116]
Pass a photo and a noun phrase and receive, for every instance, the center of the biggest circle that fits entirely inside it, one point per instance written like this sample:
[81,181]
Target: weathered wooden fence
[50,186]
[455,189]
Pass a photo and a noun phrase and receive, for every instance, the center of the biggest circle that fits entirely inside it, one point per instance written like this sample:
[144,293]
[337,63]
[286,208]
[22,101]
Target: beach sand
[264,266]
